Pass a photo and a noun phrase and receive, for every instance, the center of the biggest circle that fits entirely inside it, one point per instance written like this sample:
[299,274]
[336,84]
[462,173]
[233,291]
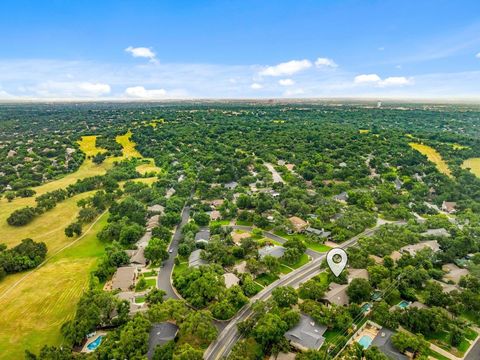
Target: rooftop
[275,251]
[124,278]
[306,334]
[384,343]
[194,260]
[337,294]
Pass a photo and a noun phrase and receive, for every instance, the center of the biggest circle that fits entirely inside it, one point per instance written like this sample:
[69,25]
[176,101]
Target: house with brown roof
[215,215]
[454,273]
[230,280]
[413,249]
[299,225]
[449,206]
[124,278]
[337,295]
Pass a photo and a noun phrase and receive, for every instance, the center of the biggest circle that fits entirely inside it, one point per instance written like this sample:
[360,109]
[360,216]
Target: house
[124,278]
[343,164]
[230,280]
[194,260]
[454,273]
[216,203]
[153,222]
[290,166]
[160,334]
[241,268]
[170,193]
[342,197]
[449,207]
[272,250]
[442,232]
[215,215]
[413,249]
[396,255]
[398,184]
[237,237]
[357,274]
[378,260]
[231,185]
[306,335]
[320,233]
[138,257]
[298,224]
[202,236]
[337,294]
[447,288]
[384,343]
[157,209]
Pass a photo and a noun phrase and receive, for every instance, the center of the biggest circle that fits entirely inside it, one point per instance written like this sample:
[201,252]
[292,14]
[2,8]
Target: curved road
[230,335]
[163,281]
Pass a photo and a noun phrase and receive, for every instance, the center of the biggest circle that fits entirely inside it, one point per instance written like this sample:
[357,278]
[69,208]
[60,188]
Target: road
[230,335]
[163,281]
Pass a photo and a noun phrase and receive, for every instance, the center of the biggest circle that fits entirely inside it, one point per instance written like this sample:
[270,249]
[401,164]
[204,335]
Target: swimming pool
[95,343]
[403,304]
[366,307]
[365,341]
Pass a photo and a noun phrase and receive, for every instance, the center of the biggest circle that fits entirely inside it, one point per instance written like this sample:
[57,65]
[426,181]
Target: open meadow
[473,164]
[36,303]
[433,156]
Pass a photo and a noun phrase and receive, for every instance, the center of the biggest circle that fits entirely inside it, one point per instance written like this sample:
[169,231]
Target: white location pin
[337,260]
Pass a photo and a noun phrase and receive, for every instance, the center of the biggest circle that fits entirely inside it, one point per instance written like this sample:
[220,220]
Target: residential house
[307,334]
[157,209]
[453,273]
[271,250]
[384,343]
[413,249]
[442,232]
[299,225]
[230,280]
[215,215]
[231,185]
[449,207]
[337,295]
[342,197]
[202,236]
[138,257]
[195,260]
[320,233]
[124,278]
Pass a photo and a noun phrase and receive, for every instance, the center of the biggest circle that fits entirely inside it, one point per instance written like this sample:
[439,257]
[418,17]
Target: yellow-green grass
[363,131]
[35,304]
[433,156]
[130,151]
[473,164]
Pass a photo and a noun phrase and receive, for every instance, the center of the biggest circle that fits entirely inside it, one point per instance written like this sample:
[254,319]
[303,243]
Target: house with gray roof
[384,343]
[195,260]
[306,335]
[320,233]
[202,235]
[337,294]
[271,250]
[442,232]
[160,334]
[138,257]
[342,197]
[124,278]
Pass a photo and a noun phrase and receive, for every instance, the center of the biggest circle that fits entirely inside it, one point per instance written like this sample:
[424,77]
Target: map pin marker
[337,260]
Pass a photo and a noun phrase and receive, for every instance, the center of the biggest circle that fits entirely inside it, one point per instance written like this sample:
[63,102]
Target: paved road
[163,281]
[230,335]
[474,353]
[271,236]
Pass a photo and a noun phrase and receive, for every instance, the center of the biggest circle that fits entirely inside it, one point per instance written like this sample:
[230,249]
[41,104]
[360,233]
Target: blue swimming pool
[365,341]
[366,307]
[403,304]
[95,343]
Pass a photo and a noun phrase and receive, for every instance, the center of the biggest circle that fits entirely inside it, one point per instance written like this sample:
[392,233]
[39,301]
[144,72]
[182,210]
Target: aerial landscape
[159,203]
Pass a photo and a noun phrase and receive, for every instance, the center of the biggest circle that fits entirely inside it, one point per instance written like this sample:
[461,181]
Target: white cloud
[325,62]
[375,80]
[293,92]
[396,81]
[478,56]
[141,52]
[286,68]
[286,82]
[140,92]
[256,86]
[367,79]
[69,89]
[95,88]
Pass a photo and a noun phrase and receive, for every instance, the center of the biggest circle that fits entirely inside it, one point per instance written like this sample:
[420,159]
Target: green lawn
[139,299]
[436,355]
[317,246]
[151,282]
[284,269]
[244,223]
[220,222]
[179,269]
[303,260]
[265,279]
[470,334]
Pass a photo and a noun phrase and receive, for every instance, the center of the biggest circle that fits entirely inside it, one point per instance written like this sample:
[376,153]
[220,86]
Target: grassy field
[130,151]
[433,156]
[473,164]
[35,304]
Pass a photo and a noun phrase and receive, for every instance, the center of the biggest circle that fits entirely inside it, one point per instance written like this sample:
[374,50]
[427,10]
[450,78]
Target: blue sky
[239,49]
